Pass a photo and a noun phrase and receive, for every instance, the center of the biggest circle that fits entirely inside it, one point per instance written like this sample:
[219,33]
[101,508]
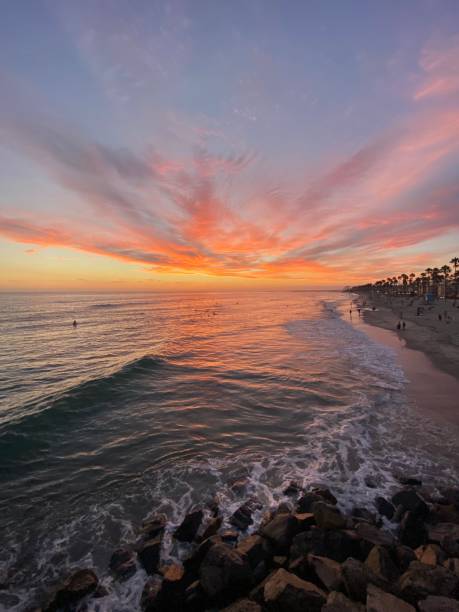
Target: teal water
[156,402]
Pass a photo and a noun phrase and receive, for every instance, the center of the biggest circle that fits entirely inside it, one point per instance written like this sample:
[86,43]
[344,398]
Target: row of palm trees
[439,282]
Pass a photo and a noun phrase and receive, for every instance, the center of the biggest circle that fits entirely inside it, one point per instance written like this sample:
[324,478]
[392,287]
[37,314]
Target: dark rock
[328,516]
[306,502]
[256,549]
[187,530]
[304,520]
[242,518]
[280,532]
[403,556]
[384,507]
[451,496]
[380,601]
[452,565]
[212,527]
[444,514]
[194,561]
[325,494]
[292,489]
[154,526]
[421,580]
[435,603]
[412,531]
[285,591]
[380,563]
[150,599]
[447,536]
[370,482]
[327,571]
[411,501]
[279,561]
[240,485]
[337,545]
[243,605]
[194,598]
[149,555]
[123,563]
[78,585]
[408,480]
[372,536]
[355,578]
[283,508]
[229,536]
[337,602]
[212,505]
[430,554]
[224,573]
[365,515]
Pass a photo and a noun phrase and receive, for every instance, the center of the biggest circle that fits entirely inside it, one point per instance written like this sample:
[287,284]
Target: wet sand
[428,349]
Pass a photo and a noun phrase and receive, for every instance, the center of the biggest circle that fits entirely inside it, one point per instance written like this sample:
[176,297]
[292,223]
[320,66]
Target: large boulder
[325,494]
[380,563]
[372,536]
[123,563]
[447,536]
[188,529]
[403,556]
[280,531]
[285,591]
[327,571]
[306,502]
[381,601]
[256,549]
[430,554]
[328,516]
[412,531]
[149,555]
[338,602]
[80,584]
[153,526]
[224,573]
[242,518]
[243,605]
[421,580]
[435,603]
[212,527]
[411,501]
[337,545]
[452,565]
[194,561]
[384,507]
[356,578]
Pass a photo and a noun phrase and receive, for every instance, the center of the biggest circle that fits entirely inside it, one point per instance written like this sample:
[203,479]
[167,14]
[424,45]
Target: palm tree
[455,262]
[446,271]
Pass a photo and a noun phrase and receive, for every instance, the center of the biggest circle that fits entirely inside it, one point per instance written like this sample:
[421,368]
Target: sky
[150,145]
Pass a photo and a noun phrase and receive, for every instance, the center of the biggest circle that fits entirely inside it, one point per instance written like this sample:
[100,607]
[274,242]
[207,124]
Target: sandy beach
[438,339]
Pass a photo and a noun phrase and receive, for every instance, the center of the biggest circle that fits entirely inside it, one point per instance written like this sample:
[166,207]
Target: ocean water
[157,402]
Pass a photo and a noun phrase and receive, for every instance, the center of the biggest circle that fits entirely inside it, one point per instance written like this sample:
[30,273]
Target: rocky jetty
[401,555]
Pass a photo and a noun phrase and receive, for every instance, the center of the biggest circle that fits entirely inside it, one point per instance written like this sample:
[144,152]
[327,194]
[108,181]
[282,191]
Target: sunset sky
[152,145]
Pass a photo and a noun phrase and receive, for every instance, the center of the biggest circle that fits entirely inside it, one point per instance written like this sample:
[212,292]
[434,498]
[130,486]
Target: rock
[412,531]
[337,545]
[149,601]
[421,580]
[304,520]
[243,605]
[435,603]
[405,479]
[370,482]
[194,561]
[242,518]
[187,530]
[306,502]
[444,514]
[279,561]
[325,494]
[280,532]
[292,489]
[447,536]
[403,556]
[355,578]
[154,526]
[430,554]
[372,536]
[285,591]
[172,593]
[337,602]
[224,573]
[381,564]
[451,496]
[149,555]
[213,507]
[364,515]
[380,601]
[384,507]
[283,508]
[78,585]
[452,565]
[194,598]
[327,516]
[212,527]
[229,536]
[240,485]
[123,563]
[327,571]
[256,549]
[411,501]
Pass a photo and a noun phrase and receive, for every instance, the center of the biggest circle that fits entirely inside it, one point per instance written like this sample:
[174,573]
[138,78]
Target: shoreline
[426,350]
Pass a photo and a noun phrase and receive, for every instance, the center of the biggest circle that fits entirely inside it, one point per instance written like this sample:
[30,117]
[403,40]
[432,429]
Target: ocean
[157,402]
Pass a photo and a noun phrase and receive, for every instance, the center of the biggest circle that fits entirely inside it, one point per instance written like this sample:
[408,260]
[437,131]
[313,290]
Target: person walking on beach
[403,324]
[74,323]
[399,325]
